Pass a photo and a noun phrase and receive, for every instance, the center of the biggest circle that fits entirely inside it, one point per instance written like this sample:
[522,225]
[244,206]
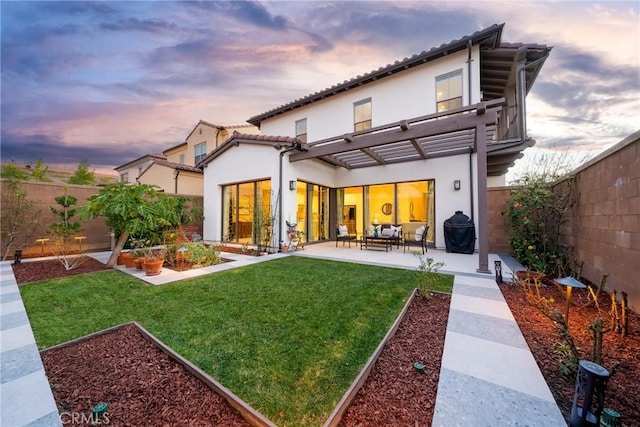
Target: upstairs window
[124,178]
[200,151]
[182,159]
[362,115]
[301,130]
[449,91]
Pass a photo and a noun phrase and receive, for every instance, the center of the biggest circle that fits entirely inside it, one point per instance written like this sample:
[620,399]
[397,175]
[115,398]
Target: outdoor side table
[570,283]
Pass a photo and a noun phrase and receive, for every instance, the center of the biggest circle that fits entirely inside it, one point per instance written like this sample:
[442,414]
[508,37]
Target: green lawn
[288,335]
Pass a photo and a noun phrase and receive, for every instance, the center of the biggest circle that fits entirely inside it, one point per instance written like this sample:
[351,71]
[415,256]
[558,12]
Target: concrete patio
[488,375]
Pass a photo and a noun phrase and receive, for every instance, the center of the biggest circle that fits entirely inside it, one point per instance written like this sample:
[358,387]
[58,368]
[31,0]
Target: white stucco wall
[405,95]
[408,94]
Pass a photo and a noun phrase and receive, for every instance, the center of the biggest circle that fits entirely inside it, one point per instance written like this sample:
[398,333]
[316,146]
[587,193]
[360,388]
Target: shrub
[202,255]
[536,211]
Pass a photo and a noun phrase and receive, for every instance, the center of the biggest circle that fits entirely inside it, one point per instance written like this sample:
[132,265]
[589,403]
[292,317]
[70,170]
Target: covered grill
[459,234]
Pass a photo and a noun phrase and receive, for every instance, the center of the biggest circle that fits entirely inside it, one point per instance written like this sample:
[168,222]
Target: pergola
[464,130]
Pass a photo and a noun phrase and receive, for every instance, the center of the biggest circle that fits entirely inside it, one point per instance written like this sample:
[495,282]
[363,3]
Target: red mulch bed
[140,383]
[395,394]
[623,389]
[28,272]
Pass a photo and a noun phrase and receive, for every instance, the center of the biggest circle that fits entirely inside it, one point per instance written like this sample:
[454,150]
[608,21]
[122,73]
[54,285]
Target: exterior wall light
[292,185]
[456,184]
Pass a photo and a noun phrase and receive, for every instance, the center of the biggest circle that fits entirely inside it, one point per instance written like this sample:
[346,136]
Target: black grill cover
[459,234]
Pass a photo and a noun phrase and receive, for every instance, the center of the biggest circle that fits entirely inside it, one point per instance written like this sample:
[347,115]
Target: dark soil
[28,272]
[140,384]
[620,355]
[395,394]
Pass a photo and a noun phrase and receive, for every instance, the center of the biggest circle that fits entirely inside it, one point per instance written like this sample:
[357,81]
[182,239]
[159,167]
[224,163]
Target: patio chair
[344,235]
[417,239]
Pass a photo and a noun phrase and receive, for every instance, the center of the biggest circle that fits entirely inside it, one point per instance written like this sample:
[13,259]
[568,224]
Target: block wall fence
[604,228]
[43,194]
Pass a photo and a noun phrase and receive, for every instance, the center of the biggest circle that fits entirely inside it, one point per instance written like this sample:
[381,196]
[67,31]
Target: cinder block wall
[605,225]
[43,195]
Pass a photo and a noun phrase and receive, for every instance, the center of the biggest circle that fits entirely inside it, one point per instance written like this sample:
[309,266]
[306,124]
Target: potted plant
[154,259]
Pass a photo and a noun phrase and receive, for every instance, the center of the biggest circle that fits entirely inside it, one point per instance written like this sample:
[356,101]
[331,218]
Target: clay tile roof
[236,138]
[177,166]
[489,37]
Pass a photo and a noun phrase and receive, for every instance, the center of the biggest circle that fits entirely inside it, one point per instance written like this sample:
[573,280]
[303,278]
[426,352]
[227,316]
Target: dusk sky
[112,81]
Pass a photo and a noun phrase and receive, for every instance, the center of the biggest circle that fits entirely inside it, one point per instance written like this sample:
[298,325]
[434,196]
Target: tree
[64,229]
[17,224]
[39,171]
[133,210]
[82,175]
[11,171]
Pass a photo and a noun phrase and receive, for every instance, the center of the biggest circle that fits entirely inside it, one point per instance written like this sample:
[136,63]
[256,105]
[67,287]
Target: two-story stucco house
[175,171]
[407,144]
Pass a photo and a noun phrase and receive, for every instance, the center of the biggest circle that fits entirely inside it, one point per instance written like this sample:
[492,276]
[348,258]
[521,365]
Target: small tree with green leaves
[63,230]
[82,175]
[19,221]
[11,171]
[134,210]
[39,171]
[427,277]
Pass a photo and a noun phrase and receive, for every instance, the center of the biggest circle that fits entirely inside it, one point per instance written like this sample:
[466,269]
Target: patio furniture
[394,231]
[417,239]
[377,242]
[344,235]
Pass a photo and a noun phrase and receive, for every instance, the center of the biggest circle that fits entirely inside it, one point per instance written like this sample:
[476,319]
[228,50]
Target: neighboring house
[409,143]
[129,172]
[174,170]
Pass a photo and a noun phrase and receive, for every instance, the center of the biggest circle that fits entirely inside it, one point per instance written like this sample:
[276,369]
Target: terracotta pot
[153,268]
[284,248]
[120,260]
[127,257]
[137,263]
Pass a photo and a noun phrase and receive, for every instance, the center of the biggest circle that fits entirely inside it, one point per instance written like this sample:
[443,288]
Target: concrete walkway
[25,395]
[488,376]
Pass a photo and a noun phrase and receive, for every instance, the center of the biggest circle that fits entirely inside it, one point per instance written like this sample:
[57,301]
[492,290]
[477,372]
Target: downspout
[176,181]
[522,95]
[471,199]
[469,60]
[294,146]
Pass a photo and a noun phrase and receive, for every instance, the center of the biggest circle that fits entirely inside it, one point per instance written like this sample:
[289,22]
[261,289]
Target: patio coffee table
[376,242]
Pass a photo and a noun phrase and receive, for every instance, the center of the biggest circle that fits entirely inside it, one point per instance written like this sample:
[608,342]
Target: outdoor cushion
[343,230]
[419,233]
[398,231]
[388,232]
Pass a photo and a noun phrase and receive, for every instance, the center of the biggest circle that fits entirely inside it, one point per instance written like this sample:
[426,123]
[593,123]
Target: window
[301,130]
[246,213]
[200,152]
[362,115]
[124,178]
[449,91]
[182,159]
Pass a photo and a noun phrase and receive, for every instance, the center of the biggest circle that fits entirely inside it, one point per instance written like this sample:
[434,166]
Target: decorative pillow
[387,232]
[394,231]
[399,231]
[343,230]
[419,233]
